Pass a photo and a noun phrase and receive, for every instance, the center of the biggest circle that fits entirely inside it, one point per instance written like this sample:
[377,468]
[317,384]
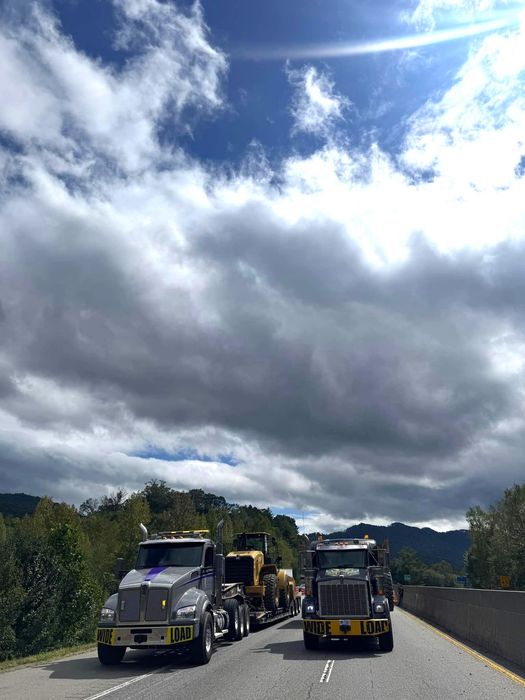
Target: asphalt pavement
[272,663]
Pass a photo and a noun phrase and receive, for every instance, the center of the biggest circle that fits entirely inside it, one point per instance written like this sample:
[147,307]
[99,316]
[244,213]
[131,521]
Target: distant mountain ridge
[430,545]
[16,505]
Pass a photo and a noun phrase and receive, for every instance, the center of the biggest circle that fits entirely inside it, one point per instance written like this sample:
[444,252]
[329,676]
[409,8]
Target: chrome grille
[154,607]
[129,605]
[349,598]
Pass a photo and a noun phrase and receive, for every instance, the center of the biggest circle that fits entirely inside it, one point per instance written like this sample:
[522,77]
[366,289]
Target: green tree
[497,541]
[11,594]
[77,597]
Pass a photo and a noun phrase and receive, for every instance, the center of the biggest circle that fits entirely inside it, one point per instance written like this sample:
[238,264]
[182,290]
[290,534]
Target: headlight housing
[107,615]
[187,612]
[379,608]
[310,608]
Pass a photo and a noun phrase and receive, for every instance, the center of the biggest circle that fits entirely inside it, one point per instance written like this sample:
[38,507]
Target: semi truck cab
[345,593]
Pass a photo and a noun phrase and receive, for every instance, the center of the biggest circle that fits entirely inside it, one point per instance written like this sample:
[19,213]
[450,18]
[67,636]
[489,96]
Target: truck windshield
[180,554]
[252,542]
[342,559]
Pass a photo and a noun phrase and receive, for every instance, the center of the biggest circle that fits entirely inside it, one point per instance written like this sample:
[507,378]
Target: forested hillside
[17,504]
[57,564]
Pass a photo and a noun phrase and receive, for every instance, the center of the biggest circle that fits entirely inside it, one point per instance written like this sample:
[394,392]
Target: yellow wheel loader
[270,590]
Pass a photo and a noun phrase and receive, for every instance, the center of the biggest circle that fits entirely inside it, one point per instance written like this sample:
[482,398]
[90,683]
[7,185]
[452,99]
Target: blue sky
[271,250]
[383,89]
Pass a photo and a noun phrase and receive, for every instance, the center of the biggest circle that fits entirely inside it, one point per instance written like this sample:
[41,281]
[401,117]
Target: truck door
[208,573]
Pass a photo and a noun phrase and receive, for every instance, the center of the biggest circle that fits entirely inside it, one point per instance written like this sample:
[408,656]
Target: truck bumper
[371,627]
[145,637]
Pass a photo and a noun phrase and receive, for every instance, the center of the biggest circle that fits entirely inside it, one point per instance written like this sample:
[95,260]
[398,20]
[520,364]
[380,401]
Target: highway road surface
[272,663]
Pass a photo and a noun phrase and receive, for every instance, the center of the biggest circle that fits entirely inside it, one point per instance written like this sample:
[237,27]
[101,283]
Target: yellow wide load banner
[180,634]
[137,636]
[346,628]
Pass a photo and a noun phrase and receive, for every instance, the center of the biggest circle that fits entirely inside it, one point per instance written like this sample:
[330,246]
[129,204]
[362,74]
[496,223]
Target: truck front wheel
[386,641]
[110,656]
[202,646]
[311,641]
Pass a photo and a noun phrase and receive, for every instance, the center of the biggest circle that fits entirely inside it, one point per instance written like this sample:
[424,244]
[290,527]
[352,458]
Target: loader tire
[271,592]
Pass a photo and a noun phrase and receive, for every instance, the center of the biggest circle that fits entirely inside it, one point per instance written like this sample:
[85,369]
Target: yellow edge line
[513,676]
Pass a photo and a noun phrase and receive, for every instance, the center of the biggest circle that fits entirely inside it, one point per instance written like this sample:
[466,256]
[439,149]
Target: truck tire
[311,641]
[234,616]
[110,656]
[271,592]
[246,612]
[386,641]
[202,647]
[242,621]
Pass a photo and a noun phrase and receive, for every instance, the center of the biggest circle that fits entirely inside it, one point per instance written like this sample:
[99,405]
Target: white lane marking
[118,687]
[325,676]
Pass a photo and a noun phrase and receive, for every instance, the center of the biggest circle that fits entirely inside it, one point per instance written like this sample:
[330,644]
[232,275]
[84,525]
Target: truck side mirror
[120,571]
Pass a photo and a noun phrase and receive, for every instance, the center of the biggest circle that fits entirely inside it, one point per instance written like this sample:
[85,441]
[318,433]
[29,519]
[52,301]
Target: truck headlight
[107,615]
[188,612]
[379,607]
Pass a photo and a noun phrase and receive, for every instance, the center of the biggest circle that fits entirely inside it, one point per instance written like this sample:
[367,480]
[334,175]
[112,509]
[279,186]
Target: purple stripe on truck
[154,572]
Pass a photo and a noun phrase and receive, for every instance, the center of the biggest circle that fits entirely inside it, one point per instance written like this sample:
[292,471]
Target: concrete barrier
[492,620]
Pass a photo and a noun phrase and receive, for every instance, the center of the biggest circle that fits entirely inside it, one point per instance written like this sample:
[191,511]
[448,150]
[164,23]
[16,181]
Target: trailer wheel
[246,612]
[271,592]
[386,641]
[234,615]
[242,621]
[202,647]
[311,641]
[110,656]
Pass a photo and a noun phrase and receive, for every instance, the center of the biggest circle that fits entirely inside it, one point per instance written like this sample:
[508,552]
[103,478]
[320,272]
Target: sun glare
[510,19]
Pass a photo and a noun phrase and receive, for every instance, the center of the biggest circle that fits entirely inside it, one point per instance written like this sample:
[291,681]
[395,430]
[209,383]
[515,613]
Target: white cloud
[459,11]
[59,99]
[317,107]
[352,335]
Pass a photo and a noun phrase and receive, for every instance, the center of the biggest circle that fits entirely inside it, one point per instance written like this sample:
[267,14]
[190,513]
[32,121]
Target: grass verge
[46,656]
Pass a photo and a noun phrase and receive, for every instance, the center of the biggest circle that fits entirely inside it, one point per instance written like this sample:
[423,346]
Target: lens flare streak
[342,50]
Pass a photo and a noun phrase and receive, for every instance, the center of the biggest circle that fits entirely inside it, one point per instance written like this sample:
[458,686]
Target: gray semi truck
[175,597]
[347,590]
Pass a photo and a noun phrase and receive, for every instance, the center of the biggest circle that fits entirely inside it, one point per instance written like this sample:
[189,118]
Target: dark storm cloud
[314,352]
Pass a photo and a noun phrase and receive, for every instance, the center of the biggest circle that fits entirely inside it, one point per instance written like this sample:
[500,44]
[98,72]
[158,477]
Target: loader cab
[258,542]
